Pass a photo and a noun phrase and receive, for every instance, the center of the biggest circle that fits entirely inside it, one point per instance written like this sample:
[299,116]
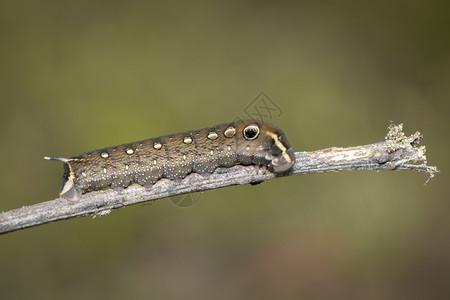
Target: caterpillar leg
[262,168]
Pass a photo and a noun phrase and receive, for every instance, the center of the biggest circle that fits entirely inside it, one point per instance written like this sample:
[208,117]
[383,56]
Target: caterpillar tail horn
[67,189]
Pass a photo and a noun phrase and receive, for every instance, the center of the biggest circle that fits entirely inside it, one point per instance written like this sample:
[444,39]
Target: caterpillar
[176,155]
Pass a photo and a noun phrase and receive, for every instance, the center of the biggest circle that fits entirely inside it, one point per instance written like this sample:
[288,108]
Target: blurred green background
[81,75]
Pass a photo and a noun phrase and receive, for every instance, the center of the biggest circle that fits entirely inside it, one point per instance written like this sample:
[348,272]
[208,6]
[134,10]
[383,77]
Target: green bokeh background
[80,75]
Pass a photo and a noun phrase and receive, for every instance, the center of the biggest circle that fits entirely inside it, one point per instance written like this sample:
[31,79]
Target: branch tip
[396,138]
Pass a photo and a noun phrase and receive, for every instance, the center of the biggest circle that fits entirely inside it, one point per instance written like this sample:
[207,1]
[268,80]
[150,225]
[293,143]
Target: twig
[397,152]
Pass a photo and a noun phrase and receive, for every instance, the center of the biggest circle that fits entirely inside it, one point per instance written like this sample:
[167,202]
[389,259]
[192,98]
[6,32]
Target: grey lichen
[396,139]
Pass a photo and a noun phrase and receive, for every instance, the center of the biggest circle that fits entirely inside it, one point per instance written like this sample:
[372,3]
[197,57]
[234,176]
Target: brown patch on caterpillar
[175,156]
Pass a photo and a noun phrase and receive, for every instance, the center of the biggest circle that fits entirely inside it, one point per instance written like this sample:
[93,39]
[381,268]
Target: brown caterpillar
[176,155]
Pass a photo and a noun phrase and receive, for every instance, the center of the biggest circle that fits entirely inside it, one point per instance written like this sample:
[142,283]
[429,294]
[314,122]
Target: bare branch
[397,152]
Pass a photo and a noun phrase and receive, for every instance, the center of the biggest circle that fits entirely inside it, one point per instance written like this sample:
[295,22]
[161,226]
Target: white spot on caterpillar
[229,148]
[212,152]
[229,132]
[212,135]
[84,174]
[104,155]
[247,148]
[187,140]
[154,161]
[184,156]
[126,167]
[129,151]
[157,145]
[104,170]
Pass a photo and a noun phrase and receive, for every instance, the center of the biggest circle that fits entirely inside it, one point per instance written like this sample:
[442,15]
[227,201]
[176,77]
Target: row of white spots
[229,132]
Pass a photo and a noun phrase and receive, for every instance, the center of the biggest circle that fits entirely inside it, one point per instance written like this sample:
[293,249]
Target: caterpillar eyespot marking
[201,151]
[251,132]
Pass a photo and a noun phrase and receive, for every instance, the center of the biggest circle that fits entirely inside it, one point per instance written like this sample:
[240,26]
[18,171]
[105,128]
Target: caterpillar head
[265,144]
